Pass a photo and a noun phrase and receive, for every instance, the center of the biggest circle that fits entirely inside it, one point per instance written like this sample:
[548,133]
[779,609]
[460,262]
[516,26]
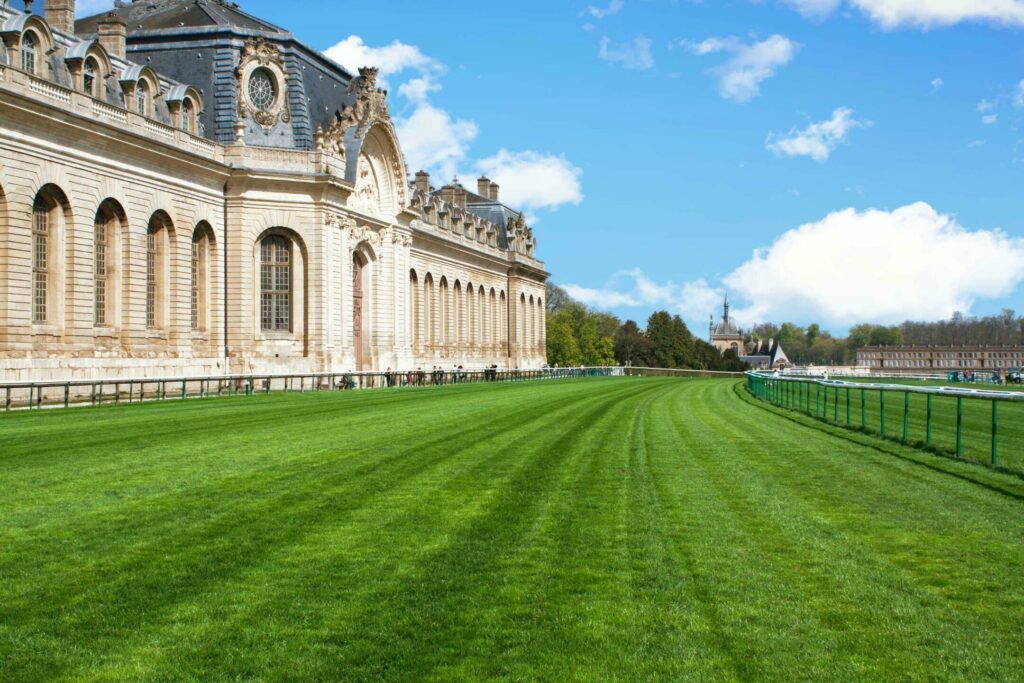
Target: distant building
[940,358]
[727,336]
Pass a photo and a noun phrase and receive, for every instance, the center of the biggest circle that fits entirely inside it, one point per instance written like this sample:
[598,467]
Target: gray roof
[727,328]
[490,210]
[155,15]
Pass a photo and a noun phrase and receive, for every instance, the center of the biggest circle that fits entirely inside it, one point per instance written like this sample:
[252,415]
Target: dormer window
[29,52]
[142,98]
[89,77]
[187,116]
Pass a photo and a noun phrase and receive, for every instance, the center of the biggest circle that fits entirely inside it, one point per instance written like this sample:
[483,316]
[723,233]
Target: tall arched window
[458,311]
[42,212]
[89,77]
[428,309]
[276,283]
[481,303]
[532,313]
[202,260]
[415,308]
[29,52]
[102,228]
[493,336]
[522,321]
[157,271]
[502,320]
[540,326]
[444,303]
[470,314]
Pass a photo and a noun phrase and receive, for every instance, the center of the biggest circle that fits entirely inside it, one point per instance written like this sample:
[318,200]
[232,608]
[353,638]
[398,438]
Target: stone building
[940,358]
[186,189]
[727,336]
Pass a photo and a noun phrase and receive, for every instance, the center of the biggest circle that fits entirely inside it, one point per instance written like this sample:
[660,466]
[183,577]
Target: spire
[725,314]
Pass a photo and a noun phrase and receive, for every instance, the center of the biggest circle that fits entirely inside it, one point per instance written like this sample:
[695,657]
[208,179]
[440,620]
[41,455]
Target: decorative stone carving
[261,60]
[336,220]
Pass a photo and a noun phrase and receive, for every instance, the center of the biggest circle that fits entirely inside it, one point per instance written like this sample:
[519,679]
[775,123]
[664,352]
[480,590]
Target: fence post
[67,394]
[835,410]
[881,401]
[959,426]
[906,416]
[863,409]
[995,431]
[817,400]
[928,423]
[847,406]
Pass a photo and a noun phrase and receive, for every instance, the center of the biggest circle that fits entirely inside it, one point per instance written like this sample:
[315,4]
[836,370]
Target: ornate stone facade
[271,228]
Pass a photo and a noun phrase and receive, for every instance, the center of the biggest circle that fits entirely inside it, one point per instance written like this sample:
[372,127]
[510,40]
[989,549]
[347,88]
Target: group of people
[437,375]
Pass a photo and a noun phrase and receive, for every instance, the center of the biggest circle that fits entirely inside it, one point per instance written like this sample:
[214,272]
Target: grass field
[594,529]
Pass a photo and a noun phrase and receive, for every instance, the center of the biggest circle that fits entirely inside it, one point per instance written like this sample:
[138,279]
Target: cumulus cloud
[937,84]
[391,59]
[814,9]
[990,119]
[432,139]
[740,78]
[851,266]
[530,180]
[614,7]
[935,13]
[632,54]
[817,140]
[892,14]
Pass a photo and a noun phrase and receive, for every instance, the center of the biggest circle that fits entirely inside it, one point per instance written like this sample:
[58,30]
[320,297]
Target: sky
[830,161]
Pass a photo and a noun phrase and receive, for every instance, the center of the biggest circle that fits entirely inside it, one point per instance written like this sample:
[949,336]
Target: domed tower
[726,335]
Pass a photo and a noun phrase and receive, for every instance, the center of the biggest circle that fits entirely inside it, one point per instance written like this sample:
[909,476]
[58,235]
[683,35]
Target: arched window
[470,314]
[89,77]
[493,338]
[481,303]
[541,336]
[142,97]
[522,321]
[157,270]
[276,283]
[29,52]
[202,260]
[532,312]
[446,330]
[102,238]
[503,331]
[428,309]
[42,212]
[458,311]
[415,309]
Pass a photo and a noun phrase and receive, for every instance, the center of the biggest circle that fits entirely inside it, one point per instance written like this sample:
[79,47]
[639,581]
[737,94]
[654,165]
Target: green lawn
[595,529]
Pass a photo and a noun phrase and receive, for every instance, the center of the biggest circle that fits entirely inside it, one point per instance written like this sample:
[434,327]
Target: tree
[563,349]
[632,347]
[556,298]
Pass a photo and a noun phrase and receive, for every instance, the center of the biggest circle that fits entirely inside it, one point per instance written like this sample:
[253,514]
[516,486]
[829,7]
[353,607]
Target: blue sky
[670,151]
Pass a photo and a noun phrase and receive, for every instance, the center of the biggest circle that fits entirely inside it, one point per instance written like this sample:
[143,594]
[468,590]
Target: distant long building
[941,358]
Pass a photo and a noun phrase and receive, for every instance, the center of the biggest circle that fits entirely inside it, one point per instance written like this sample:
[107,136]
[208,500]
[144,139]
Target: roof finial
[726,308]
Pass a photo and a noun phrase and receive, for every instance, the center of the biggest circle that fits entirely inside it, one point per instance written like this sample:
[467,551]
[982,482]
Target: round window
[262,90]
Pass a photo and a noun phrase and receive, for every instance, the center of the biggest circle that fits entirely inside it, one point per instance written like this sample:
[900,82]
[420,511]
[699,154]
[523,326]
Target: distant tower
[726,335]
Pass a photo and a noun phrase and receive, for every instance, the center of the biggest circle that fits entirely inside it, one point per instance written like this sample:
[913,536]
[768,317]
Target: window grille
[29,52]
[275,283]
[151,279]
[186,116]
[89,77]
[142,98]
[40,271]
[100,269]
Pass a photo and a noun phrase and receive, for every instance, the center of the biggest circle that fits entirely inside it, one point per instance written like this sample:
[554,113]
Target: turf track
[595,529]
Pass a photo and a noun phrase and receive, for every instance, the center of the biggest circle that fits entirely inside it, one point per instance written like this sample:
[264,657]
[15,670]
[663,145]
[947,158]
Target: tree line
[578,335]
[813,345]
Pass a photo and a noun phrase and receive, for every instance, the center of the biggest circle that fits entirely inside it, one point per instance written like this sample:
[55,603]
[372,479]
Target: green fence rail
[984,426]
[100,392]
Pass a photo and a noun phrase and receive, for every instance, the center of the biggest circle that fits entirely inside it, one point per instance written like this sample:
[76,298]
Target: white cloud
[852,266]
[431,139]
[935,13]
[1018,95]
[633,54]
[817,140]
[740,78]
[87,8]
[530,180]
[814,9]
[418,89]
[391,59]
[990,119]
[614,7]
[911,263]
[937,84]
[986,105]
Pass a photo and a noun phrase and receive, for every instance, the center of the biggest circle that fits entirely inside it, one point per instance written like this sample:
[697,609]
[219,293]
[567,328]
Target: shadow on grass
[896,448]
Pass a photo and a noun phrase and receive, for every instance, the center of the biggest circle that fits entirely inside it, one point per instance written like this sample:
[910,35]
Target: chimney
[454,193]
[483,187]
[493,194]
[423,182]
[60,15]
[113,35]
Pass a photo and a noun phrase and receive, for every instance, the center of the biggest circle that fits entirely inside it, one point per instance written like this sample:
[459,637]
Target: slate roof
[155,15]
[490,210]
